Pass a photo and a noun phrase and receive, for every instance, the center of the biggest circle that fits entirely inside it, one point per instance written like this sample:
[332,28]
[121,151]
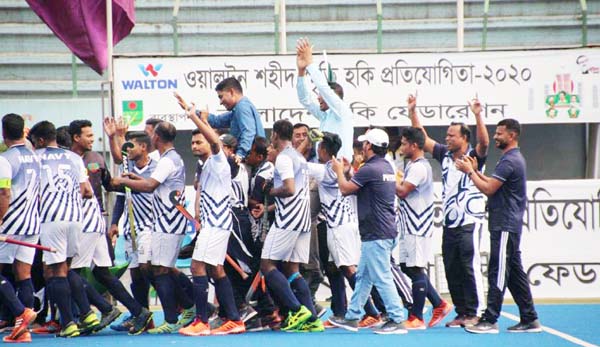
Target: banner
[549,86]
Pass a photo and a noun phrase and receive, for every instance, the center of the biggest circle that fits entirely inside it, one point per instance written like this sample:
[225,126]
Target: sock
[300,288]
[201,297]
[370,309]
[78,292]
[338,294]
[279,285]
[25,292]
[183,286]
[165,288]
[95,298]
[224,293]
[185,283]
[419,289]
[117,290]
[9,297]
[140,287]
[432,295]
[61,295]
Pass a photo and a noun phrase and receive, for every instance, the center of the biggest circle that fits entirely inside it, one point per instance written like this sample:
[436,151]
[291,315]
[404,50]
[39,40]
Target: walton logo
[151,82]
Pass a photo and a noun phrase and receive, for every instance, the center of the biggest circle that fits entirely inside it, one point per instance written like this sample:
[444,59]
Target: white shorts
[344,244]
[64,236]
[93,249]
[9,252]
[211,246]
[415,251]
[144,250]
[164,248]
[286,245]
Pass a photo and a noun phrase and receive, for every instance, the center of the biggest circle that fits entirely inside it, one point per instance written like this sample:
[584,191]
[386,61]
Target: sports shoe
[470,321]
[369,322]
[341,322]
[22,322]
[255,324]
[320,310]
[457,322]
[296,319]
[24,337]
[187,316]
[50,327]
[327,325]
[108,318]
[165,328]
[531,327]
[230,327]
[215,322]
[391,328]
[197,328]
[439,313]
[71,330]
[246,313]
[315,326]
[271,321]
[414,323]
[483,327]
[88,323]
[140,322]
[125,324]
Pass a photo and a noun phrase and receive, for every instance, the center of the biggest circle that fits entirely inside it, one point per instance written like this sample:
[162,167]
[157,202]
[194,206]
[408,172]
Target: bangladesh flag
[133,111]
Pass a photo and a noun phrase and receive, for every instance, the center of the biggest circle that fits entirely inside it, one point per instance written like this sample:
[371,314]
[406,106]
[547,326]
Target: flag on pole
[81,25]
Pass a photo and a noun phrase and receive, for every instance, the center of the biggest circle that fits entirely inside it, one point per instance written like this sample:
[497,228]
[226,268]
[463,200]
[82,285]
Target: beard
[501,145]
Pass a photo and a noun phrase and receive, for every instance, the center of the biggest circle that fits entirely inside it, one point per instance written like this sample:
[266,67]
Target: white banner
[549,86]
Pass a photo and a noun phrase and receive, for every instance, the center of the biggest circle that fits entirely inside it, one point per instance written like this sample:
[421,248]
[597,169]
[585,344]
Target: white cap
[376,137]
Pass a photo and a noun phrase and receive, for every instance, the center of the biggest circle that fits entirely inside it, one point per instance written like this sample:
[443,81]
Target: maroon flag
[81,25]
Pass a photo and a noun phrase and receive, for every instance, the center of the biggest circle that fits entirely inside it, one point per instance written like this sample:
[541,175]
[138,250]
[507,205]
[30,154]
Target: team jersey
[93,221]
[143,216]
[62,172]
[170,173]
[416,210]
[463,203]
[215,183]
[19,172]
[239,188]
[336,207]
[263,173]
[292,213]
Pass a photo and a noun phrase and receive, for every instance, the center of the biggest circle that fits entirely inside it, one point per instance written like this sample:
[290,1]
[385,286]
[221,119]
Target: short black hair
[153,121]
[229,83]
[511,125]
[141,137]
[301,125]
[338,89]
[196,132]
[165,131]
[414,135]
[44,130]
[379,150]
[464,130]
[260,146]
[76,126]
[331,143]
[12,126]
[284,129]
[357,145]
[63,138]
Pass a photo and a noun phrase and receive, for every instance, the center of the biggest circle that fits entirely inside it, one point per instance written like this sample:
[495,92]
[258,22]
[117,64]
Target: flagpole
[109,53]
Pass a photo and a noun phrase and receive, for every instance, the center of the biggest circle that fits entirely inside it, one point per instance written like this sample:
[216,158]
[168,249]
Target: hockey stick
[128,197]
[27,244]
[259,280]
[173,197]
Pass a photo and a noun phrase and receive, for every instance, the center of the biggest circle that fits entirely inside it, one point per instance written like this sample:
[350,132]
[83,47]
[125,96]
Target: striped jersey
[93,221]
[143,217]
[336,207]
[170,173]
[215,199]
[292,213]
[416,210]
[463,203]
[239,188]
[264,171]
[61,174]
[19,172]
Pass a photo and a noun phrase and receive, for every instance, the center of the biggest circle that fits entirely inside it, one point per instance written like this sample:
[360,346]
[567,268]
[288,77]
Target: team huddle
[266,211]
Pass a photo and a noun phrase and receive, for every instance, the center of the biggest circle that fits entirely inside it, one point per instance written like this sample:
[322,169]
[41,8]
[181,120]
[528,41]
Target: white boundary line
[554,332]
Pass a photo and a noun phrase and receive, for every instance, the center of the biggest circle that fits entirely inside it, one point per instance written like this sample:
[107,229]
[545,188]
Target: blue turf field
[580,321]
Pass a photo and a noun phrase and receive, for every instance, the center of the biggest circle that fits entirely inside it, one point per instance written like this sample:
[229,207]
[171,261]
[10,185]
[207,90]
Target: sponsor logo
[151,79]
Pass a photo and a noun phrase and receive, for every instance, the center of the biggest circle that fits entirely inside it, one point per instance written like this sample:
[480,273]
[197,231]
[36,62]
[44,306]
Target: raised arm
[115,141]
[415,122]
[209,133]
[483,138]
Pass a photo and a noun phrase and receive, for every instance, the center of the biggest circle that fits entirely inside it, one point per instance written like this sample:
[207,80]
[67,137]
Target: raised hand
[109,125]
[121,127]
[475,106]
[303,53]
[181,102]
[412,103]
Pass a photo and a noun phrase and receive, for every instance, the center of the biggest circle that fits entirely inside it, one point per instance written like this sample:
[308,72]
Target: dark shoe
[469,321]
[246,313]
[341,322]
[483,327]
[531,327]
[108,318]
[88,324]
[320,310]
[391,328]
[125,324]
[141,322]
[255,324]
[457,322]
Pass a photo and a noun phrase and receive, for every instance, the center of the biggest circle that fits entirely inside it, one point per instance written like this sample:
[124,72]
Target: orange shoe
[22,322]
[439,313]
[327,325]
[50,327]
[24,337]
[369,322]
[197,328]
[414,323]
[230,327]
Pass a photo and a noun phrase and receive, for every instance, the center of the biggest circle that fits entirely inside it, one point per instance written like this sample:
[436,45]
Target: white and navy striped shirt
[19,172]
[93,221]
[170,173]
[292,213]
[416,210]
[61,174]
[337,208]
[143,217]
[215,199]
[239,188]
